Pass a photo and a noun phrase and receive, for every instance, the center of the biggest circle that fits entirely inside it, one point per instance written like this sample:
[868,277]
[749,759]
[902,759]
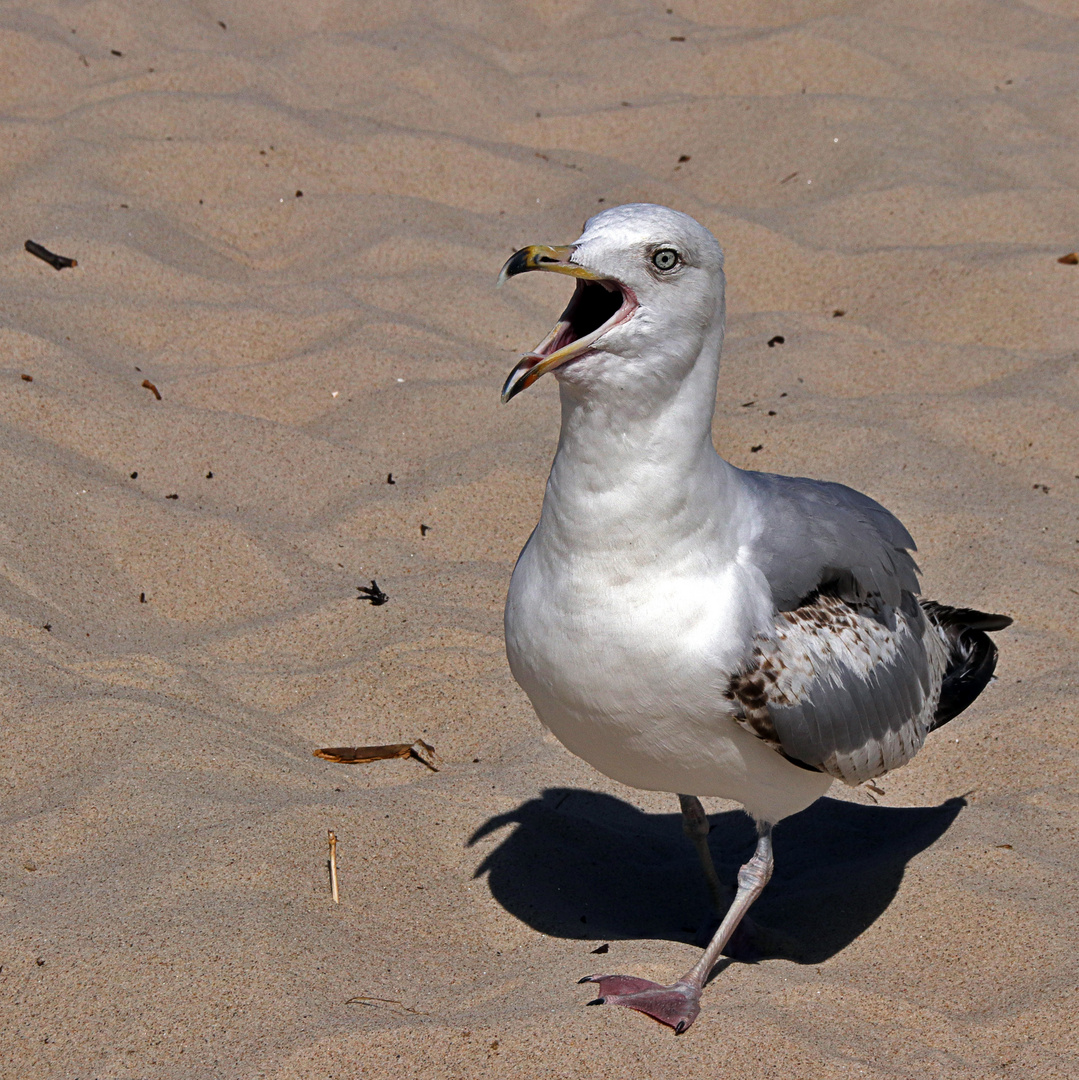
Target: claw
[676,1006]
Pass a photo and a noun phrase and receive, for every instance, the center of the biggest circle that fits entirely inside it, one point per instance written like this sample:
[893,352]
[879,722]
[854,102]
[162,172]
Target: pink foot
[676,1006]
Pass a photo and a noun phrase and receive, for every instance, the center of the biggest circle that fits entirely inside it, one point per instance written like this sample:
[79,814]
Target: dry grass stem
[333,865]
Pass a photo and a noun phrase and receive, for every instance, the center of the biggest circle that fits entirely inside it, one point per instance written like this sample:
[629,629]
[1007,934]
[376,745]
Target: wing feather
[845,688]
[813,534]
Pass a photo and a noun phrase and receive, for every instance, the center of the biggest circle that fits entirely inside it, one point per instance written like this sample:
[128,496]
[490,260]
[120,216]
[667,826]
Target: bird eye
[665,259]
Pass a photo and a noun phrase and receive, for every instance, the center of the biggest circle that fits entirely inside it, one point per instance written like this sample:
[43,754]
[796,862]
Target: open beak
[596,306]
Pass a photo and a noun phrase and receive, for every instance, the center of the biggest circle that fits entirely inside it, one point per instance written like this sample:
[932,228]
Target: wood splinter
[333,864]
[153,389]
[361,755]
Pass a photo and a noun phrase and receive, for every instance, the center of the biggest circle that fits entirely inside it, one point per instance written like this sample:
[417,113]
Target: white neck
[640,464]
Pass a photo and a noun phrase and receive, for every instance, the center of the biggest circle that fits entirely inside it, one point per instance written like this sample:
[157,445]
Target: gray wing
[815,534]
[849,689]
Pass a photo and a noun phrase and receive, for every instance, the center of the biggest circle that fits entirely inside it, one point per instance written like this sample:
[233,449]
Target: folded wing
[852,689]
[815,535]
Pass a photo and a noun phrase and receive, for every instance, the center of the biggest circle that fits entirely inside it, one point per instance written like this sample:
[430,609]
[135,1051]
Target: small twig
[372,593]
[57,262]
[150,386]
[333,864]
[381,1002]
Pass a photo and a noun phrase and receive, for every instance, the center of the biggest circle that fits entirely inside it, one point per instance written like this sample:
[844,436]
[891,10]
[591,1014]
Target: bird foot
[676,1006]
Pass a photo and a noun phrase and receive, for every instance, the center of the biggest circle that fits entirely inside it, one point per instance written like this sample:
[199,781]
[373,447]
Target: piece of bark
[362,755]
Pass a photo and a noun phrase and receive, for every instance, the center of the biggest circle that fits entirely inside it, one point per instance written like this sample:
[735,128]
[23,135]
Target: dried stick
[61,262]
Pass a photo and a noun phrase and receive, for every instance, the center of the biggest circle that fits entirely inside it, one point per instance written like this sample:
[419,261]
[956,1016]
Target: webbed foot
[676,1005]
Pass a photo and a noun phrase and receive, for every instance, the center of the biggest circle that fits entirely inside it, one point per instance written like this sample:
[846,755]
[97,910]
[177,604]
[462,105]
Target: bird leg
[677,1005]
[696,826]
[744,942]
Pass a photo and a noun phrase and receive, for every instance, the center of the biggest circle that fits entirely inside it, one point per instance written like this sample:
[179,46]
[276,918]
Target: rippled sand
[893,184]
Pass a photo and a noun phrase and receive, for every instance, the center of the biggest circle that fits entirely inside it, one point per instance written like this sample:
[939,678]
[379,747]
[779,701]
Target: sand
[893,183]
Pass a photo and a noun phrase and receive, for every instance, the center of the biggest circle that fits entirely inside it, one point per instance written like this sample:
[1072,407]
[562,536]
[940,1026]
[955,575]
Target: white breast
[627,665]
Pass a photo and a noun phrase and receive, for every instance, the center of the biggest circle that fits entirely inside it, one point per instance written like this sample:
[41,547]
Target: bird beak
[597,304]
[541,257]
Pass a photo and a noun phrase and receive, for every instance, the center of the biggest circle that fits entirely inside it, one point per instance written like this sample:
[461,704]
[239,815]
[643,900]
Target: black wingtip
[965,617]
[973,656]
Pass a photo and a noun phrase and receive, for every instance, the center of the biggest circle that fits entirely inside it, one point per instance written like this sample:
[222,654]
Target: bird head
[649,294]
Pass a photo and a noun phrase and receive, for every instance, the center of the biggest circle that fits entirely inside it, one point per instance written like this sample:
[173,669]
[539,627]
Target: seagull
[684,625]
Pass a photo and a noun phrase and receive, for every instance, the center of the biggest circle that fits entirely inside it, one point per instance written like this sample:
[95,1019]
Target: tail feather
[972,658]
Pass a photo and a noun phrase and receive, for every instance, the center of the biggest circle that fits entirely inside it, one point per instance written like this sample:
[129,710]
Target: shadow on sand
[581,864]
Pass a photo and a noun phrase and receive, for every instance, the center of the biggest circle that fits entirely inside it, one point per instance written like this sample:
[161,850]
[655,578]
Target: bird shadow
[582,864]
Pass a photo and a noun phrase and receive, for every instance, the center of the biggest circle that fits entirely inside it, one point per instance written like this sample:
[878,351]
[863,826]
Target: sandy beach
[288,221]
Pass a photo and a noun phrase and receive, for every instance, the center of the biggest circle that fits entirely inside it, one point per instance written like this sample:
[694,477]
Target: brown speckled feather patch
[842,687]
